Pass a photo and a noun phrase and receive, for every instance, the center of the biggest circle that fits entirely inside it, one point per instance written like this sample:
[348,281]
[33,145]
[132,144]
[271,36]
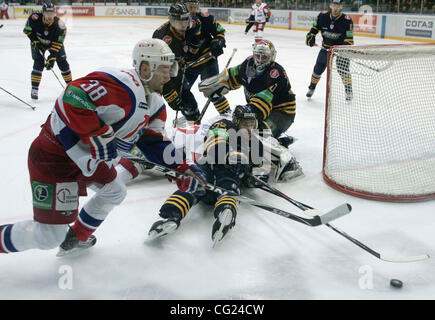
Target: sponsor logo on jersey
[143,105]
[35,16]
[167,39]
[274,73]
[42,195]
[67,197]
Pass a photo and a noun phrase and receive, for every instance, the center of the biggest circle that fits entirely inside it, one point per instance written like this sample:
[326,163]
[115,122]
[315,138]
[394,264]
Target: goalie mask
[264,54]
[156,52]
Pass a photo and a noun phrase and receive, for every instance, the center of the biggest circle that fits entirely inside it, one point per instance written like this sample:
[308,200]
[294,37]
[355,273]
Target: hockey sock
[36,78]
[6,245]
[221,104]
[85,225]
[67,76]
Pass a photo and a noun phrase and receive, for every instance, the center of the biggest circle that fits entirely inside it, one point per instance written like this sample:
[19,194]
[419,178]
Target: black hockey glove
[49,64]
[311,39]
[267,19]
[216,47]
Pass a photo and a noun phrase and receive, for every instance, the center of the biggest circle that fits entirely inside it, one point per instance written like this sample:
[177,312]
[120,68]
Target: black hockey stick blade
[315,221]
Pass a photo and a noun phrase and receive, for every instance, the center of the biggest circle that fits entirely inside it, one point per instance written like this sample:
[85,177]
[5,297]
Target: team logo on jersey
[46,32]
[205,14]
[167,39]
[274,73]
[35,16]
[331,26]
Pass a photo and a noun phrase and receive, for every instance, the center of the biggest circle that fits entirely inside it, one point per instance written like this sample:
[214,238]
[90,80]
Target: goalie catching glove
[216,86]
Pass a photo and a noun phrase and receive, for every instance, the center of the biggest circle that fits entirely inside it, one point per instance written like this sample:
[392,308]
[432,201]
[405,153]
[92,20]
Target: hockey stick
[43,57]
[209,99]
[266,187]
[314,221]
[185,67]
[33,108]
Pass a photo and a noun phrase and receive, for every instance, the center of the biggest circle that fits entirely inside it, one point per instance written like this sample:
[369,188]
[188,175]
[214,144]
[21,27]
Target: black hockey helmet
[178,11]
[191,1]
[242,112]
[48,7]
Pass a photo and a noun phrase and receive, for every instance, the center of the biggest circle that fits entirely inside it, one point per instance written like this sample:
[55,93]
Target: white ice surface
[264,257]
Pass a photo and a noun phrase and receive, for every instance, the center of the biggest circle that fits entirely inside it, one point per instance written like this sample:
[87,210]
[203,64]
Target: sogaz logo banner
[419,27]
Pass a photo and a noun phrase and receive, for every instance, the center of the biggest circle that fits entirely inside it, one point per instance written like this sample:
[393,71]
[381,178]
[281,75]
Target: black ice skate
[310,91]
[224,222]
[72,244]
[349,94]
[34,94]
[163,227]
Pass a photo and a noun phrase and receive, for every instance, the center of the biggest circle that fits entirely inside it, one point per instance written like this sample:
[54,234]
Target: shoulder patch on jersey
[325,11]
[347,17]
[61,24]
[205,14]
[274,73]
[35,16]
[167,39]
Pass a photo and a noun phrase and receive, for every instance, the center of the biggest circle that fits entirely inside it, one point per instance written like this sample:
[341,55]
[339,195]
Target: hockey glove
[193,184]
[311,39]
[103,145]
[239,163]
[49,64]
[267,18]
[36,45]
[216,47]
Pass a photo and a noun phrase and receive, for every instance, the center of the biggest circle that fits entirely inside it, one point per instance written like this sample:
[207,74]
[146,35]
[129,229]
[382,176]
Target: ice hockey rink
[265,256]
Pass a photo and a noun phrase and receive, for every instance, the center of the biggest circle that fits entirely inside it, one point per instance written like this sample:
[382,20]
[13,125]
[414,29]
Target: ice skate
[163,227]
[34,94]
[72,244]
[224,222]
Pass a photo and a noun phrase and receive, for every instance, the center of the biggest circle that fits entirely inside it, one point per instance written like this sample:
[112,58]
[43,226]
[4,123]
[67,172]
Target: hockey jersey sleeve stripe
[68,138]
[132,102]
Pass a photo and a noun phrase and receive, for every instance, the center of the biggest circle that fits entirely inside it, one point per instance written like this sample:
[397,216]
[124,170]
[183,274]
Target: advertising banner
[158,12]
[75,11]
[364,23]
[25,12]
[120,11]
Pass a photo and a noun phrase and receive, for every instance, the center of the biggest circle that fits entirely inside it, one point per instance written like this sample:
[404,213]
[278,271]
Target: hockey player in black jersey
[336,29]
[46,32]
[267,88]
[183,35]
[230,153]
[204,61]
[268,93]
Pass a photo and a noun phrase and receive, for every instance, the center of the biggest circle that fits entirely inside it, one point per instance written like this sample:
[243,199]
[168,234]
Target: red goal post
[380,143]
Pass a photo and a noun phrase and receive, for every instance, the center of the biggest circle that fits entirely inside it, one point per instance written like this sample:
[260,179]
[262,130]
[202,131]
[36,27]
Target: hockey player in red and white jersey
[107,110]
[4,10]
[260,14]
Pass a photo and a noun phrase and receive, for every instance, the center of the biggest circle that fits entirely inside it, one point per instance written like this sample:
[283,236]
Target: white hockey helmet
[264,54]
[156,52]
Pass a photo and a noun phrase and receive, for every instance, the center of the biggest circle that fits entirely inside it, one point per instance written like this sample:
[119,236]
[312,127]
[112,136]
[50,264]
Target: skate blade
[62,252]
[225,221]
[168,228]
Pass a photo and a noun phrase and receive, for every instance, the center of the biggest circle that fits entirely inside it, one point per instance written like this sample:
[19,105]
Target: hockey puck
[396,283]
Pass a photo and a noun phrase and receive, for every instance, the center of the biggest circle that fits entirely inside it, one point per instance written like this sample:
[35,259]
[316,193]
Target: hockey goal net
[380,121]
